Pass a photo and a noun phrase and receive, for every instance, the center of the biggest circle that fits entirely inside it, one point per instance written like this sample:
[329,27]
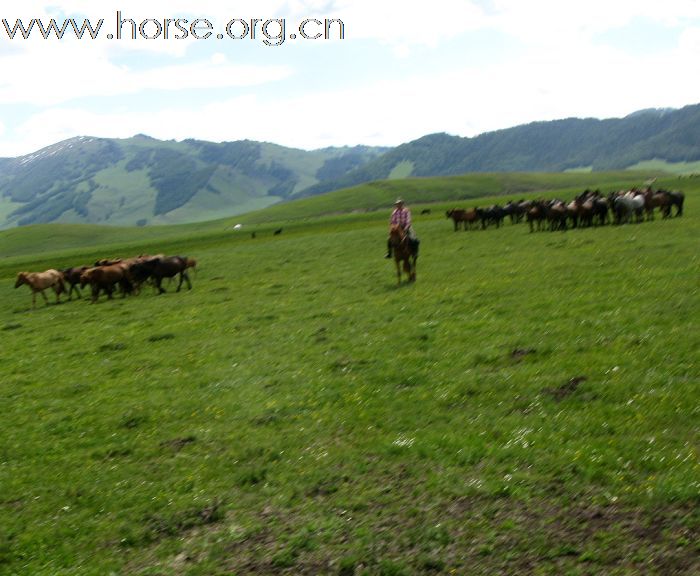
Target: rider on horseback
[402,216]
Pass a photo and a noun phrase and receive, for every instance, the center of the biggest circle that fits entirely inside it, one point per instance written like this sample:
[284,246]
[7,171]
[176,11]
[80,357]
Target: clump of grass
[161,337]
[112,347]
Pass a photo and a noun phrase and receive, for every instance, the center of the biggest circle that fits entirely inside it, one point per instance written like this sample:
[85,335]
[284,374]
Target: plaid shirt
[402,217]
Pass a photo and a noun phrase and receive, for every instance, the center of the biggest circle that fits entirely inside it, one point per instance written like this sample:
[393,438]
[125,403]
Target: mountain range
[142,181]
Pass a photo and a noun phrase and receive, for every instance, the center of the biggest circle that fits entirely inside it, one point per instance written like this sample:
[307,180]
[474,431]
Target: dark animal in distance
[277,232]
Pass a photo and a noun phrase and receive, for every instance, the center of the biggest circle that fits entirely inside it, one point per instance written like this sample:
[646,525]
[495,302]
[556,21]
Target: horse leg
[184,276]
[398,270]
[46,300]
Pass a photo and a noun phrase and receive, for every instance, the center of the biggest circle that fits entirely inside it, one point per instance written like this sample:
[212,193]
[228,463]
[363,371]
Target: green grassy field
[531,405]
[669,167]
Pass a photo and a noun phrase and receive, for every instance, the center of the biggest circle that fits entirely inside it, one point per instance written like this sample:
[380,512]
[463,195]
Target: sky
[401,70]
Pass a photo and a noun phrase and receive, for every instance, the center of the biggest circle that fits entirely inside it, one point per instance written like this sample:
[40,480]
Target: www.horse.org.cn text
[270,31]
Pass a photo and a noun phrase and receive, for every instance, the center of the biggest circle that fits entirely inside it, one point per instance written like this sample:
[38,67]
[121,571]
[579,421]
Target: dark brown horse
[159,268]
[461,217]
[71,276]
[405,253]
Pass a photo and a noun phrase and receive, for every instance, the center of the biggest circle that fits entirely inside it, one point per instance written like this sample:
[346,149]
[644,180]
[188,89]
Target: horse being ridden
[405,253]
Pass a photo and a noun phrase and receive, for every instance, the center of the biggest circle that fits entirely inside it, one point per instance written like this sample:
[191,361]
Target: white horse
[628,204]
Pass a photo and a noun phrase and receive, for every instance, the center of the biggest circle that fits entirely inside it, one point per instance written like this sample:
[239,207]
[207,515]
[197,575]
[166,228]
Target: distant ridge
[142,180]
[554,146]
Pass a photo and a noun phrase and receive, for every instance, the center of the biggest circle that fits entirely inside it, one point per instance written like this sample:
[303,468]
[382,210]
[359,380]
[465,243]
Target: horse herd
[128,274]
[590,208]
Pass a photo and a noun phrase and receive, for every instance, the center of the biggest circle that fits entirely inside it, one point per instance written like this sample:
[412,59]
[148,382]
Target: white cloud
[551,21]
[405,24]
[72,72]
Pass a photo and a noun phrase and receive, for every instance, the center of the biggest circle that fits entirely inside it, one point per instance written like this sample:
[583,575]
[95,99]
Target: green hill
[140,180]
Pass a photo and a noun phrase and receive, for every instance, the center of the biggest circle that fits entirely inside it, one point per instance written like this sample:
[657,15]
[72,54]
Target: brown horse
[40,281]
[71,276]
[405,253]
[105,278]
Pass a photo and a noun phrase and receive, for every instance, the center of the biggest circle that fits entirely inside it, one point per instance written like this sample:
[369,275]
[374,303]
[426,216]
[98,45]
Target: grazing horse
[628,204]
[491,215]
[536,213]
[462,217]
[515,210]
[677,198]
[405,253]
[556,215]
[40,281]
[600,209]
[660,200]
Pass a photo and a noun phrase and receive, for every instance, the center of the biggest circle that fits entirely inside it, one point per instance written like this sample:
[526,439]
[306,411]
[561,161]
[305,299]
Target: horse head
[396,235]
[21,279]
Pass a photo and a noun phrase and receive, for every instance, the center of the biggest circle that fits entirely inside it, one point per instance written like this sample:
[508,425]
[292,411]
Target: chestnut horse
[40,281]
[405,253]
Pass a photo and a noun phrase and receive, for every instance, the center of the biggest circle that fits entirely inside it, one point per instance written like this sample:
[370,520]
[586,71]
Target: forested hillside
[556,146]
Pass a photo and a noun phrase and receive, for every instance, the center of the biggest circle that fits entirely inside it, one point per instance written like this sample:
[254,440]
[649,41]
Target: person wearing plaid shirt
[401,216]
